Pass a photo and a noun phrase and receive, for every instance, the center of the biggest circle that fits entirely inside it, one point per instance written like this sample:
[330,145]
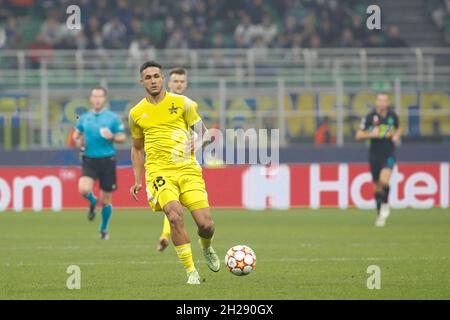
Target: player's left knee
[206,225]
[83,190]
[105,200]
[384,182]
[385,176]
[174,213]
[105,203]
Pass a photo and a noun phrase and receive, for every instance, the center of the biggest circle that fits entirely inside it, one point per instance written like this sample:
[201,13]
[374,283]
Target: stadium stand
[201,24]
[440,11]
[299,49]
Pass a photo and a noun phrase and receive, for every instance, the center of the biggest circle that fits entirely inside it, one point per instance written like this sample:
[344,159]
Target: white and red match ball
[240,260]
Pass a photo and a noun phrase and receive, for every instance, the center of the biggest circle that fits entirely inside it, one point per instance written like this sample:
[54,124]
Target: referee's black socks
[386,190]
[379,197]
[382,197]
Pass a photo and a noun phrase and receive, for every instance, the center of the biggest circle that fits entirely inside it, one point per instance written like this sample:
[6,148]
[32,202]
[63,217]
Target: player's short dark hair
[149,64]
[100,88]
[180,71]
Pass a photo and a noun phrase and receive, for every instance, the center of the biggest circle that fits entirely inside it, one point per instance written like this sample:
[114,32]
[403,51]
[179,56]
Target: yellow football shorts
[185,186]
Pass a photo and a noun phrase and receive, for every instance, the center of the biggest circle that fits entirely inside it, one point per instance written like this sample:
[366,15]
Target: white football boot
[212,260]
[385,211]
[104,235]
[193,277]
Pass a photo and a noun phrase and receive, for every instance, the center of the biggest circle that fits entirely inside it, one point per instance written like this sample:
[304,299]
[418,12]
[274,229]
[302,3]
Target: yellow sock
[184,253]
[166,228]
[206,243]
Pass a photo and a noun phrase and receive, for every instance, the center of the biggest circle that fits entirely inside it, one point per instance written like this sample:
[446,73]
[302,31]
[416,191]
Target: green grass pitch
[302,254]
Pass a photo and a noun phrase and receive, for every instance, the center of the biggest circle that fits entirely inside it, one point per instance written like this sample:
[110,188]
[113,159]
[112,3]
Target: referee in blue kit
[96,132]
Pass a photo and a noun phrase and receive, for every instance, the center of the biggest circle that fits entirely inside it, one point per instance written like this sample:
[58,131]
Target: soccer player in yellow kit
[160,126]
[177,84]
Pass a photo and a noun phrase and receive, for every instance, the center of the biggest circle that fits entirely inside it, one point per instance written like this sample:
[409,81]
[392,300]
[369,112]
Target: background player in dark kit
[381,127]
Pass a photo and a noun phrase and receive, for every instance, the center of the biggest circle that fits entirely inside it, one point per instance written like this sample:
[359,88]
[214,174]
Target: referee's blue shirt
[90,124]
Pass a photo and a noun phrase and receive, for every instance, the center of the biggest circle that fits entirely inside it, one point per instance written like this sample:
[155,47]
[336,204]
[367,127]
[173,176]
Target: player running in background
[96,131]
[160,126]
[381,127]
[178,81]
[177,84]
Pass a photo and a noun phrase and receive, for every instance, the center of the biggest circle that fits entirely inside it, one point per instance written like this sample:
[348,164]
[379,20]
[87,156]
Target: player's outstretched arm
[367,129]
[203,136]
[137,161]
[364,134]
[120,137]
[119,131]
[398,134]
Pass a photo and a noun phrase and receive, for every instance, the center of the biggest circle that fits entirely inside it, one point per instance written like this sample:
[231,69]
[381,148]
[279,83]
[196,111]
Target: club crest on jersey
[173,109]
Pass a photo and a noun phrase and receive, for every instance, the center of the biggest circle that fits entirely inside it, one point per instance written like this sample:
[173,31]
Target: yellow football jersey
[165,129]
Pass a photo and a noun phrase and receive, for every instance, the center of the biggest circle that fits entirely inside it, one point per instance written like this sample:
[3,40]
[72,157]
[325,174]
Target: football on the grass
[240,260]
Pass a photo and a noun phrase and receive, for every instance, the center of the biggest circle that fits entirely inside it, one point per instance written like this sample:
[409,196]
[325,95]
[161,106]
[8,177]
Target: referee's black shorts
[378,163]
[103,169]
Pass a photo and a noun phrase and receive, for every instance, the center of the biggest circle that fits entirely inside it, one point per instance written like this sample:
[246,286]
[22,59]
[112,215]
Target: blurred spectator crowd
[440,11]
[139,24]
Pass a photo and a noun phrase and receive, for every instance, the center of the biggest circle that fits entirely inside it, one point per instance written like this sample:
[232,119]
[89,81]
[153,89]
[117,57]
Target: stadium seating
[158,24]
[219,60]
